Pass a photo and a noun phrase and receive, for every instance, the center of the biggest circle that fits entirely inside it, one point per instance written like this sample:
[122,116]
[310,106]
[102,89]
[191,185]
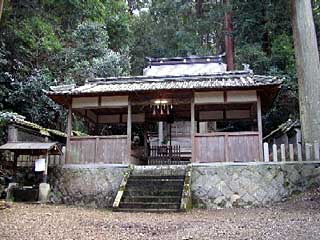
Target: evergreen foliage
[48,42]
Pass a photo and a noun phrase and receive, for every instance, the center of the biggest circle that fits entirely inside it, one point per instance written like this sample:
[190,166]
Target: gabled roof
[225,80]
[52,147]
[284,128]
[11,117]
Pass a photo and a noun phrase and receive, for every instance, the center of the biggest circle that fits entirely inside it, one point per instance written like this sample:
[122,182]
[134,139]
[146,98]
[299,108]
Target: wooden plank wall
[227,147]
[98,149]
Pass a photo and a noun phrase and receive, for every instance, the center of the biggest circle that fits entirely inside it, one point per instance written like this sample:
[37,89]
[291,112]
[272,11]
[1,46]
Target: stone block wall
[217,185]
[86,185]
[250,184]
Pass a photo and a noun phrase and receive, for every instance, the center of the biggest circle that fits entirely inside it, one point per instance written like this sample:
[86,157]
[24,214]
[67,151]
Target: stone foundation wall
[86,185]
[250,184]
[217,185]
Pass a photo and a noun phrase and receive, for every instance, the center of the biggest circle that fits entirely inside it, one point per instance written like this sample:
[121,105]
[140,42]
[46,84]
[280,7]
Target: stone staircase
[153,188]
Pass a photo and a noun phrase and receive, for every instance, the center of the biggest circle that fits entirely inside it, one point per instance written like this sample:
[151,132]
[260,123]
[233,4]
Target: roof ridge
[142,77]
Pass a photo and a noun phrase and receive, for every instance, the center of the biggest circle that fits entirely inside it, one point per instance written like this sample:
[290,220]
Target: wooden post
[316,151]
[96,151]
[69,133]
[15,166]
[129,131]
[283,152]
[226,147]
[266,152]
[259,118]
[299,151]
[275,153]
[45,173]
[160,132]
[291,152]
[192,132]
[308,151]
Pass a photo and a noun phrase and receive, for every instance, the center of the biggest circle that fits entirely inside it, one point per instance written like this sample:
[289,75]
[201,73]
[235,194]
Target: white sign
[40,165]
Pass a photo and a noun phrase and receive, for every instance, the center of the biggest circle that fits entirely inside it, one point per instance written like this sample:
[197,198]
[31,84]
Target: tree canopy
[47,42]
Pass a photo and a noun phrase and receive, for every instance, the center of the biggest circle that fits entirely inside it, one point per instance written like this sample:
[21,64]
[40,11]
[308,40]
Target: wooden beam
[69,132]
[129,123]
[192,130]
[259,118]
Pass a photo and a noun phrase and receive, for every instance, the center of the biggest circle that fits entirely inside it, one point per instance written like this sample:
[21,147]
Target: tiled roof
[284,128]
[11,117]
[225,80]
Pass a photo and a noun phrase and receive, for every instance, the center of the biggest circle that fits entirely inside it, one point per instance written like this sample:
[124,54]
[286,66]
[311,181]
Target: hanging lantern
[161,106]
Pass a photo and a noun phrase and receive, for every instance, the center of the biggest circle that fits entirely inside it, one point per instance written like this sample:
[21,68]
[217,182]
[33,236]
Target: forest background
[50,42]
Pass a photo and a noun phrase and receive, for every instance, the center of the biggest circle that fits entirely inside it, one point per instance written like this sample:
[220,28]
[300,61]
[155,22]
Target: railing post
[96,155]
[291,152]
[316,151]
[308,151]
[299,151]
[266,152]
[274,153]
[283,152]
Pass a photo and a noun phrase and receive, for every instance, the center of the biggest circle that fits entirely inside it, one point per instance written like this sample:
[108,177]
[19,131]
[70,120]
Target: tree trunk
[308,68]
[229,44]
[1,8]
[199,8]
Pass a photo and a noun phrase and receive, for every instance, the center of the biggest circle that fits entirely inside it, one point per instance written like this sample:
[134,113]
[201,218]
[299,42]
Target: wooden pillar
[69,133]
[160,132]
[259,119]
[45,173]
[129,126]
[192,130]
[15,166]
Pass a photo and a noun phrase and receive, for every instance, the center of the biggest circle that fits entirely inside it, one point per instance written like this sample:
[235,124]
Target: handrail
[99,137]
[216,134]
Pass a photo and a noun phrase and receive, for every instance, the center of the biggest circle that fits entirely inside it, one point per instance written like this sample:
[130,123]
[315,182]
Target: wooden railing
[165,155]
[291,152]
[98,149]
[227,147]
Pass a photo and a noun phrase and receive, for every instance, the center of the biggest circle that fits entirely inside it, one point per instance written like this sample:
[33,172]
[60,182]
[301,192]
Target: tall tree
[1,8]
[308,68]
[229,43]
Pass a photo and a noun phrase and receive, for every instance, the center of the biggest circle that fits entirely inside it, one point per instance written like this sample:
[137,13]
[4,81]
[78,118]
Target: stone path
[297,219]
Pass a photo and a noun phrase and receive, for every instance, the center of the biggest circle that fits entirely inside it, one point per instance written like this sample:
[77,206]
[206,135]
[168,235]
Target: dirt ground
[299,218]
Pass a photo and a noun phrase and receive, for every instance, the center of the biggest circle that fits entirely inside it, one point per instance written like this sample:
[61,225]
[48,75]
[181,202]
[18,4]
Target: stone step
[154,187]
[150,210]
[156,177]
[170,170]
[143,192]
[155,183]
[153,199]
[149,205]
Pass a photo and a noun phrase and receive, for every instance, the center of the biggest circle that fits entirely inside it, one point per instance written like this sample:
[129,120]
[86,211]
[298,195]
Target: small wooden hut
[180,110]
